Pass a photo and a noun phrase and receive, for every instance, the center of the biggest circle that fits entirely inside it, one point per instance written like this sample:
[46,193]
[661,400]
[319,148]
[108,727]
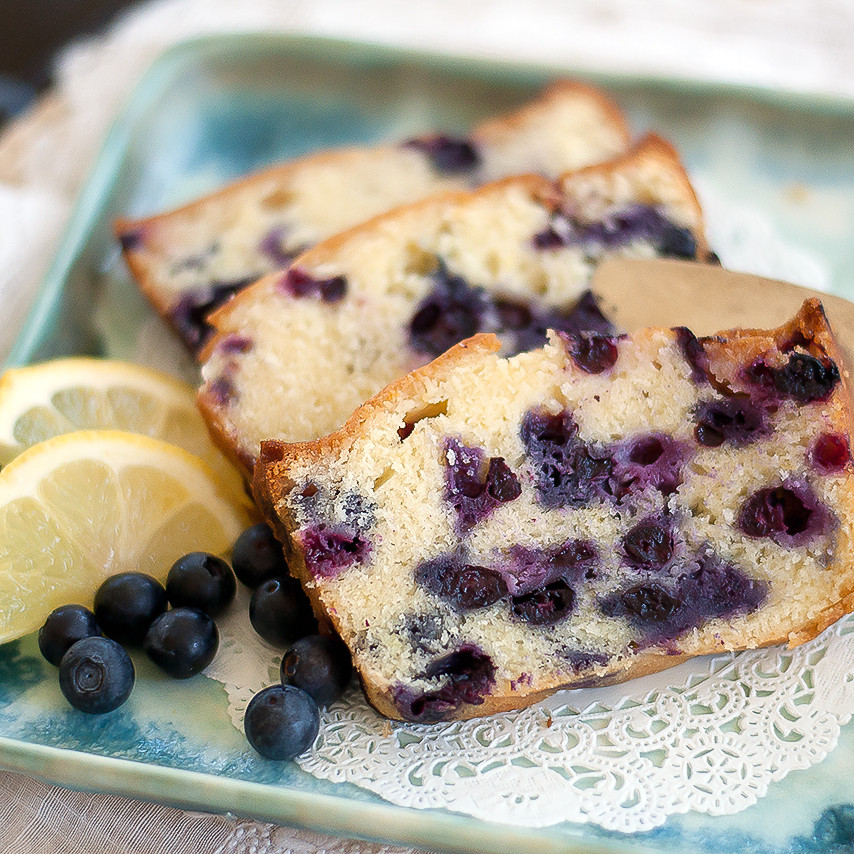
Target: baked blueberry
[300,283]
[65,626]
[545,606]
[281,722]
[182,642]
[320,665]
[648,545]
[735,420]
[464,586]
[329,551]
[830,453]
[789,513]
[473,487]
[447,154]
[451,311]
[96,675]
[593,353]
[126,604]
[467,675]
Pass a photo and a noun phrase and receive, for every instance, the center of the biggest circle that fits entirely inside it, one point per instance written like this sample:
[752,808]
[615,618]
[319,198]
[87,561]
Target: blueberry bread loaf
[297,352]
[192,259]
[487,530]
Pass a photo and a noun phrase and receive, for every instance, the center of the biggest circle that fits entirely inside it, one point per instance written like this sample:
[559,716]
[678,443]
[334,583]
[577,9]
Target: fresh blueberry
[126,604]
[96,675]
[65,626]
[280,611]
[257,556]
[201,580]
[320,665]
[182,642]
[281,722]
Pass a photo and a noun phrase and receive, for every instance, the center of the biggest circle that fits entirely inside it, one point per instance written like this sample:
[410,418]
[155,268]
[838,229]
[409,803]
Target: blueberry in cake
[190,260]
[297,352]
[487,529]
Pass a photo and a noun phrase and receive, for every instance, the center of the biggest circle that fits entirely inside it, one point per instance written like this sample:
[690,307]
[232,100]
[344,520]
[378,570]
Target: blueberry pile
[174,625]
[131,609]
[283,720]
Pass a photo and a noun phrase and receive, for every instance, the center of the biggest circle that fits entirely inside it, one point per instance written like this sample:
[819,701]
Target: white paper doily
[710,735]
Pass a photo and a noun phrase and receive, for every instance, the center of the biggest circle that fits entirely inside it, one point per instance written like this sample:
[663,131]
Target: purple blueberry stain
[328,551]
[223,391]
[300,284]
[447,155]
[734,420]
[132,239]
[708,589]
[567,471]
[790,514]
[694,354]
[466,675]
[272,246]
[235,344]
[618,229]
[528,569]
[524,326]
[475,487]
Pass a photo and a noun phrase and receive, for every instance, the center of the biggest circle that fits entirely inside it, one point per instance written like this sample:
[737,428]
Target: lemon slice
[52,398]
[80,507]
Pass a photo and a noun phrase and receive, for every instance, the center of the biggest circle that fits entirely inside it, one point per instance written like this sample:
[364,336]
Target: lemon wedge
[51,398]
[80,507]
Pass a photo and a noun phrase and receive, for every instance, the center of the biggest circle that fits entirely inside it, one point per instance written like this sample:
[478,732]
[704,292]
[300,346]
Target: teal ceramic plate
[213,109]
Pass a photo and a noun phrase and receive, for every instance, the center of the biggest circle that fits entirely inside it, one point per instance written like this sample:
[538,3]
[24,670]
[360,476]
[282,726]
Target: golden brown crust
[558,90]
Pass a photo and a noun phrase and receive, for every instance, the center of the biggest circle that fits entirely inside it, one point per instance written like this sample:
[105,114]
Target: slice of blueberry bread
[297,352]
[487,530]
[192,259]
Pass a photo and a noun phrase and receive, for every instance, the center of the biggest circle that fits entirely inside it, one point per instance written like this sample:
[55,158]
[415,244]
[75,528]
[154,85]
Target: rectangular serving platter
[213,109]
